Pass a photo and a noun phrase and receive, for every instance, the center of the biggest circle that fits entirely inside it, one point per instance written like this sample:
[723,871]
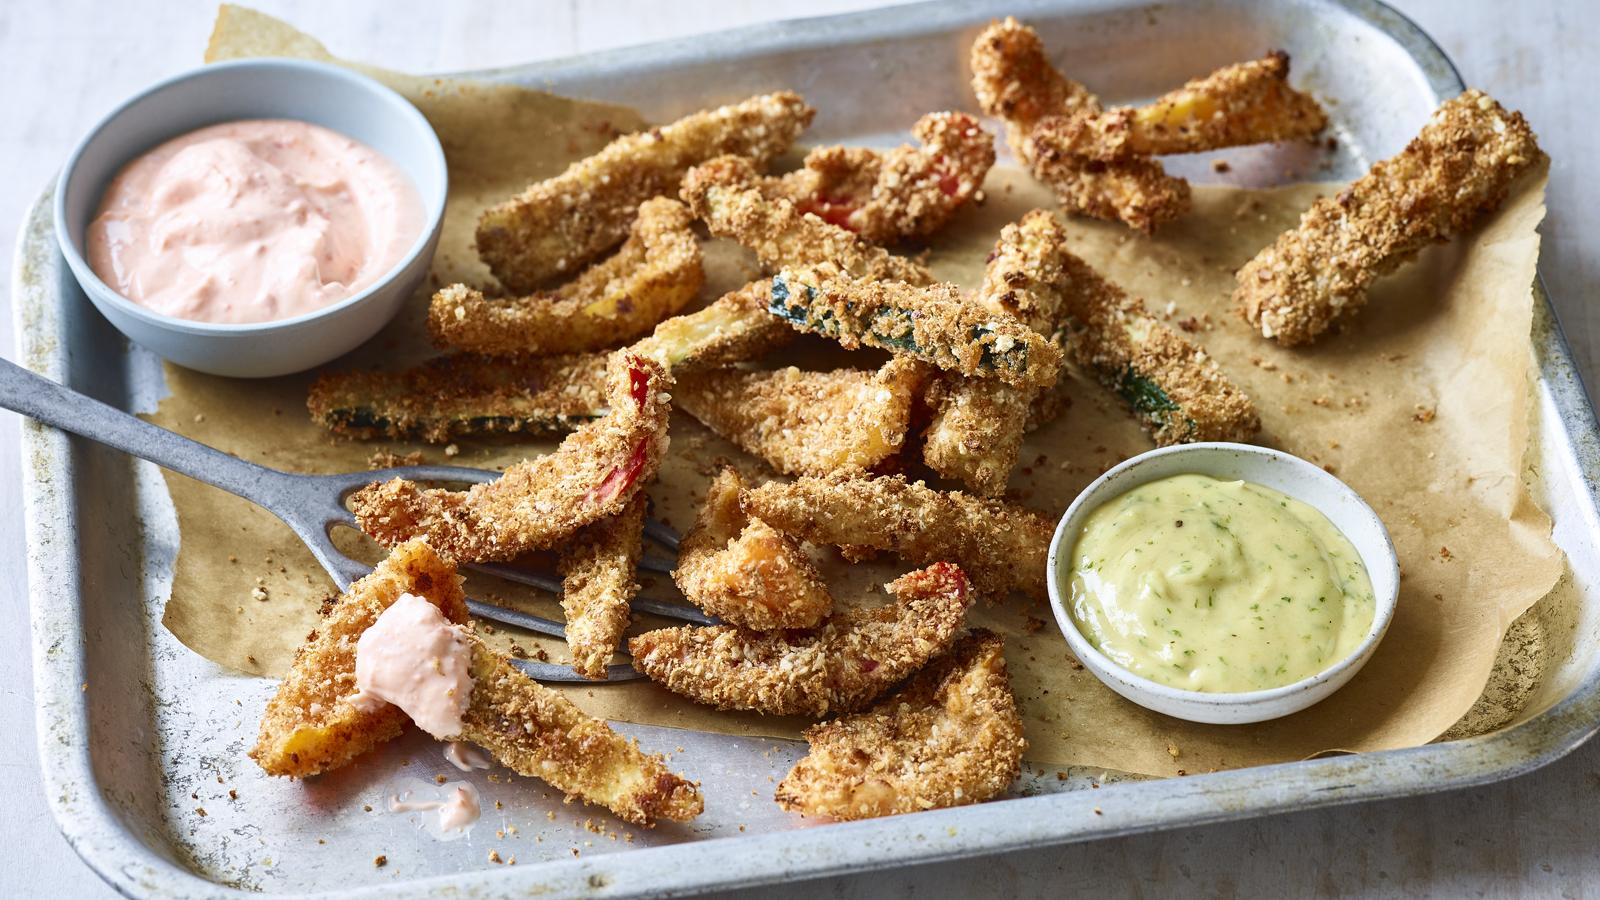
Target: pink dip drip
[460,808]
[252,221]
[414,658]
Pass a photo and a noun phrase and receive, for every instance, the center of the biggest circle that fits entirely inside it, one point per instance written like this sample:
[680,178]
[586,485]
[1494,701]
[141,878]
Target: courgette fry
[736,327]
[808,423]
[842,665]
[743,570]
[895,195]
[1455,172]
[559,225]
[1245,103]
[935,324]
[655,274]
[538,503]
[598,567]
[726,194]
[463,395]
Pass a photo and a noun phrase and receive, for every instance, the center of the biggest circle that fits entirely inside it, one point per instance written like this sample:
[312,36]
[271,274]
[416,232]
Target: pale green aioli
[1218,586]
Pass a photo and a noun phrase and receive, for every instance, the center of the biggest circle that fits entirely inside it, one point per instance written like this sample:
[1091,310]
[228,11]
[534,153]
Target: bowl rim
[1383,612]
[434,206]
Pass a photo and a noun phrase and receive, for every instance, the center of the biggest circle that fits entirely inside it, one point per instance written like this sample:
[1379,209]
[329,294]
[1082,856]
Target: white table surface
[64,62]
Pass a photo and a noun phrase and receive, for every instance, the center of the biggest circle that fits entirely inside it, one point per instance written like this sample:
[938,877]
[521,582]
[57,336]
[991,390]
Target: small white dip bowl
[335,98]
[1230,462]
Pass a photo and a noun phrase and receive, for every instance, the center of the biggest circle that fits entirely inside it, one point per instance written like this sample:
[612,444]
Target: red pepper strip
[620,478]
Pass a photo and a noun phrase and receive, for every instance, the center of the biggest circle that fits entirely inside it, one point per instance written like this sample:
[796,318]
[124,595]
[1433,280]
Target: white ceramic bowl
[1277,470]
[321,94]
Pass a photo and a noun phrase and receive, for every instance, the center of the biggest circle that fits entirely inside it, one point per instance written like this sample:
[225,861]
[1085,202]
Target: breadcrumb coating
[1453,174]
[309,726]
[844,664]
[726,194]
[535,731]
[1015,82]
[461,395]
[655,274]
[1245,103]
[907,192]
[537,503]
[1000,546]
[808,423]
[558,225]
[950,737]
[744,571]
[935,323]
[734,328]
[598,567]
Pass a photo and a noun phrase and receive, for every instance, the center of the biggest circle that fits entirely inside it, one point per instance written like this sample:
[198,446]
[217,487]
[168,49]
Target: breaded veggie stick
[744,571]
[1001,546]
[464,395]
[1177,391]
[1245,103]
[540,502]
[808,423]
[841,666]
[653,276]
[726,194]
[935,324]
[977,426]
[950,737]
[734,328]
[907,192]
[535,731]
[1015,82]
[308,728]
[1454,173]
[557,226]
[597,568]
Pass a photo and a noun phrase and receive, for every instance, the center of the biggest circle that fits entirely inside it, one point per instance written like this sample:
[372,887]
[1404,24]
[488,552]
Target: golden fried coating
[1015,82]
[557,226]
[597,568]
[951,737]
[907,192]
[535,731]
[1454,173]
[734,328]
[1178,392]
[537,503]
[657,271]
[744,571]
[726,194]
[936,324]
[841,666]
[1001,546]
[977,425]
[1245,103]
[464,394]
[808,423]
[308,726]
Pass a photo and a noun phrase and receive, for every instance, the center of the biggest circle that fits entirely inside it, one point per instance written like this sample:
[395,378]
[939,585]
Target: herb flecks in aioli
[1264,593]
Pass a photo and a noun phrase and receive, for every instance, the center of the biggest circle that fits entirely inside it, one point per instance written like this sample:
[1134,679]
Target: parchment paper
[1422,404]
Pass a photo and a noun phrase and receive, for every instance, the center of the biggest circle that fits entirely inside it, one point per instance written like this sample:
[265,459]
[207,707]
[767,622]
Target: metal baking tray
[136,733]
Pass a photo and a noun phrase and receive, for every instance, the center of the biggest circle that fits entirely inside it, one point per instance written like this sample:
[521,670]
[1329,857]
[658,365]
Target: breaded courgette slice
[950,737]
[735,328]
[309,726]
[935,324]
[463,395]
[597,568]
[808,423]
[841,665]
[743,570]
[655,274]
[538,503]
[559,225]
